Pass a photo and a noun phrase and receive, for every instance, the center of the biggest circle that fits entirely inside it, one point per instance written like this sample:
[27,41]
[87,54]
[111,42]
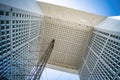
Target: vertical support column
[42,63]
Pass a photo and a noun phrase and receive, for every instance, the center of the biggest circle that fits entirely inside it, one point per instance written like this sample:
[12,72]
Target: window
[16,21]
[20,15]
[1,13]
[13,26]
[13,14]
[2,27]
[7,32]
[7,22]
[7,27]
[17,15]
[3,38]
[3,33]
[13,22]
[8,36]
[7,13]
[2,22]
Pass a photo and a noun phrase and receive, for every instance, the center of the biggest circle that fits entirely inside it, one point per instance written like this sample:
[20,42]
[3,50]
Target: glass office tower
[103,54]
[19,35]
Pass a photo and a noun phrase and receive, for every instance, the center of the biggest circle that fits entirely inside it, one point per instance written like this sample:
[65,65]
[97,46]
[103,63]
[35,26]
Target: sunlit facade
[19,35]
[79,42]
[103,54]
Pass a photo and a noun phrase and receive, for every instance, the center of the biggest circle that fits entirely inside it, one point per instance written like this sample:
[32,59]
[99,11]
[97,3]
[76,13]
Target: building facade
[103,54]
[19,41]
[78,44]
[71,30]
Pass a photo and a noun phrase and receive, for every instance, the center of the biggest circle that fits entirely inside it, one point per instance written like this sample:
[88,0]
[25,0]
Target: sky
[108,8]
[101,7]
[51,74]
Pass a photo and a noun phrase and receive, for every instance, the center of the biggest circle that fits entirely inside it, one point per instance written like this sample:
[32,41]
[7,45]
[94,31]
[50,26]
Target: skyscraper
[103,54]
[84,43]
[19,39]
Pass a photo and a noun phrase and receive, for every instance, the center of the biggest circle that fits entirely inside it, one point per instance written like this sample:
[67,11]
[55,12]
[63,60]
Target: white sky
[67,3]
[50,74]
[116,17]
[70,4]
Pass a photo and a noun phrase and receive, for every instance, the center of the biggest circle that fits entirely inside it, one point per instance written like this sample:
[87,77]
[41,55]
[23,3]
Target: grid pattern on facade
[92,38]
[19,30]
[70,40]
[91,61]
[103,59]
[101,72]
[85,74]
[98,44]
[34,30]
[4,33]
[20,65]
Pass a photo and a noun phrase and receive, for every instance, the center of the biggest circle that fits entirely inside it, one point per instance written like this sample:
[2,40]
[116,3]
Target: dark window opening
[7,32]
[7,13]
[7,27]
[1,13]
[17,15]
[7,22]
[3,33]
[13,14]
[2,22]
[3,38]
[2,27]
